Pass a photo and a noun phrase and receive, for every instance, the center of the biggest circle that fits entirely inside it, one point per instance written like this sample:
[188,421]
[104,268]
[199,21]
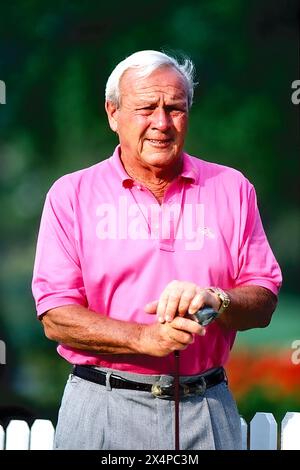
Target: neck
[156,180]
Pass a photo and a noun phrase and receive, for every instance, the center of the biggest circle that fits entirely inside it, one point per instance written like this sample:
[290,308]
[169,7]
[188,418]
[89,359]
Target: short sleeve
[257,263]
[57,277]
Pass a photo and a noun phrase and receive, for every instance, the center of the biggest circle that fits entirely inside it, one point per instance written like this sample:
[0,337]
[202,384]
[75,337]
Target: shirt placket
[171,212]
[162,221]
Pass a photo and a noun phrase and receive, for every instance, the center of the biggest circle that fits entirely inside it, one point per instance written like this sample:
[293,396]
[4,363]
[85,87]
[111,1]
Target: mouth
[159,143]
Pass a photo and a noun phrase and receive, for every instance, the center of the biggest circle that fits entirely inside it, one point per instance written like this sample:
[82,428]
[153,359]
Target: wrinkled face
[151,121]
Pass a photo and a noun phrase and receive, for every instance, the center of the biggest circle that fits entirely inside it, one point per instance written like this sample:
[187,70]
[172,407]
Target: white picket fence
[261,434]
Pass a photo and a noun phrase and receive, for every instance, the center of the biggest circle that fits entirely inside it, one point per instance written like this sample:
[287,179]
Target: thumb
[151,307]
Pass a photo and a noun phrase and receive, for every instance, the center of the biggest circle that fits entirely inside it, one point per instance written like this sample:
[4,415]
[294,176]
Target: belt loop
[107,382]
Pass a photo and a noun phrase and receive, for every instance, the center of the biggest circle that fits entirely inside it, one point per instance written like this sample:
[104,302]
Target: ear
[112,114]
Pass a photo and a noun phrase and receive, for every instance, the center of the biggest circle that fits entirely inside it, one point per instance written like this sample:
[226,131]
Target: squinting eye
[176,110]
[145,110]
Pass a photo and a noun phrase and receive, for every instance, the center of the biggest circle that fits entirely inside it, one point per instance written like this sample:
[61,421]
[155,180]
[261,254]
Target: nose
[161,119]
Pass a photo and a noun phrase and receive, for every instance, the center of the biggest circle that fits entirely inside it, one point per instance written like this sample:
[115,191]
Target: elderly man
[128,251]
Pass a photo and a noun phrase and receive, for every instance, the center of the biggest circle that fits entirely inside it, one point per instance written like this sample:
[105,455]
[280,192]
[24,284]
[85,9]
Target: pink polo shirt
[105,243]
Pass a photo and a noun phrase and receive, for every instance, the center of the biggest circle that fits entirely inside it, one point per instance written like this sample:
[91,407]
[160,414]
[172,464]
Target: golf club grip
[205,315]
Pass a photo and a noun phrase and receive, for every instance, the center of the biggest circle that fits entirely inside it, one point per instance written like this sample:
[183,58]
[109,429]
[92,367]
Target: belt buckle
[200,388]
[156,390]
[159,391]
[162,390]
[194,388]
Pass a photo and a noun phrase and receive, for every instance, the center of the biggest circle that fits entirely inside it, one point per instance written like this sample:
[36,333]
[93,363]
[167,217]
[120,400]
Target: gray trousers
[97,417]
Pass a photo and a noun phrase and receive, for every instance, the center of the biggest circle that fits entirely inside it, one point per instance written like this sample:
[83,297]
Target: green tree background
[55,58]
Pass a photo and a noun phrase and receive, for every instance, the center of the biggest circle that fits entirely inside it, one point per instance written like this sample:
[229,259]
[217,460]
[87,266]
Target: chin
[161,159]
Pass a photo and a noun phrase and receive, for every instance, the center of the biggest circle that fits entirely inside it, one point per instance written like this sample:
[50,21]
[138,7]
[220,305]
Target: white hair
[147,62]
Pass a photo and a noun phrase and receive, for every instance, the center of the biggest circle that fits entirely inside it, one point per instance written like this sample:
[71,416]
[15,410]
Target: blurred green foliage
[55,58]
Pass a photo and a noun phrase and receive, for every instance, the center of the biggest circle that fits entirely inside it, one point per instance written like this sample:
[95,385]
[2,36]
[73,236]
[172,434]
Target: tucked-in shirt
[105,243]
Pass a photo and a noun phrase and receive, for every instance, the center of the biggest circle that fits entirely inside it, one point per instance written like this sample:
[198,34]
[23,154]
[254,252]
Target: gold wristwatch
[224,298]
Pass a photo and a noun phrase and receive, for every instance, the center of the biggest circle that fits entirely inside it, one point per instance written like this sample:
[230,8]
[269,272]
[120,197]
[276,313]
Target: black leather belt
[198,387]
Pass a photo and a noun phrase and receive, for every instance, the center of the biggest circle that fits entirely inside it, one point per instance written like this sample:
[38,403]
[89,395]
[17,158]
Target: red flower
[270,370]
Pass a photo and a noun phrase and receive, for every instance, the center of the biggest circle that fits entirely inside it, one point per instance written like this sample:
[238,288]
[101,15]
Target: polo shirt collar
[189,172]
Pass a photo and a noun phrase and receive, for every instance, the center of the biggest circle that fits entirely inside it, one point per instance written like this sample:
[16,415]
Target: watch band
[224,298]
